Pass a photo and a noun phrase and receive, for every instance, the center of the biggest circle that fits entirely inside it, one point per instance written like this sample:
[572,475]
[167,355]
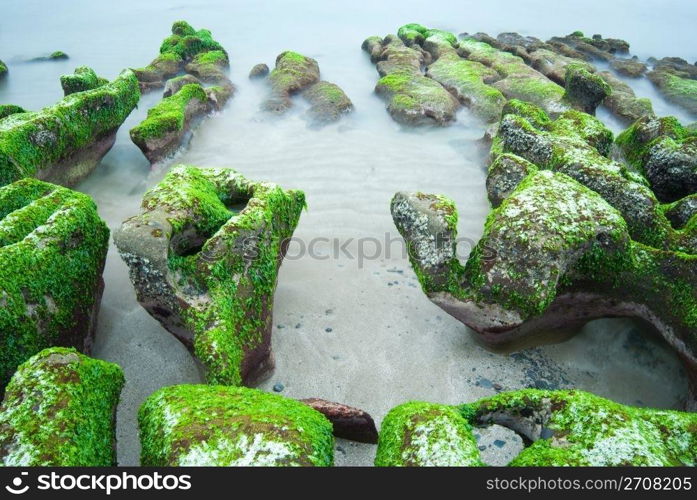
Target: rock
[169,123]
[564,428]
[411,97]
[175,84]
[676,89]
[202,425]
[278,387]
[677,66]
[622,101]
[60,411]
[348,422]
[293,73]
[680,212]
[181,48]
[210,66]
[665,153]
[53,247]
[328,103]
[3,70]
[258,71]
[204,256]
[629,67]
[505,173]
[555,66]
[83,79]
[425,435]
[581,242]
[373,46]
[54,56]
[65,142]
[10,109]
[585,89]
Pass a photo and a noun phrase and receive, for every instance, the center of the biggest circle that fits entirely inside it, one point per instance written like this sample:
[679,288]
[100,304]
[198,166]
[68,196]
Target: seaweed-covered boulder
[60,410]
[328,103]
[181,48]
[665,153]
[504,175]
[553,256]
[83,79]
[52,251]
[10,109]
[63,143]
[231,426]
[169,123]
[293,73]
[563,428]
[58,55]
[676,88]
[585,89]
[3,70]
[632,68]
[412,98]
[681,211]
[622,101]
[175,84]
[204,256]
[420,434]
[258,71]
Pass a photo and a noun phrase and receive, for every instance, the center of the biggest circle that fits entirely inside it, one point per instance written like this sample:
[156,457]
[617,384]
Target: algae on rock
[204,256]
[53,247]
[231,426]
[60,411]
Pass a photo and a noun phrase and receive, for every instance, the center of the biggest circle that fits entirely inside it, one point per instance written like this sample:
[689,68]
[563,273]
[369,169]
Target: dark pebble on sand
[278,387]
[328,330]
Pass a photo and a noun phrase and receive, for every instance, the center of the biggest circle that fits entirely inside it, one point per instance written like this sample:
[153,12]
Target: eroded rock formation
[204,256]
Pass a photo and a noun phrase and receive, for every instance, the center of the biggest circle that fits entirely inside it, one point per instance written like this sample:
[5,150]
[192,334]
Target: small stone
[278,387]
[328,330]
[499,443]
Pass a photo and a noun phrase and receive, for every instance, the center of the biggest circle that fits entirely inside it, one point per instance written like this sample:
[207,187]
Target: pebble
[278,387]
[328,330]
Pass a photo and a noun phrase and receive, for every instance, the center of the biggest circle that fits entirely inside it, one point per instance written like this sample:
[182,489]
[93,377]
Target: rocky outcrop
[52,251]
[597,47]
[665,153]
[258,71]
[169,123]
[60,411]
[83,79]
[563,428]
[632,68]
[348,422]
[622,102]
[676,79]
[65,142]
[579,238]
[204,425]
[183,47]
[204,256]
[411,97]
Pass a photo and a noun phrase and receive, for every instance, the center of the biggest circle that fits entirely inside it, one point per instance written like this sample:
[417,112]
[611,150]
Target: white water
[387,343]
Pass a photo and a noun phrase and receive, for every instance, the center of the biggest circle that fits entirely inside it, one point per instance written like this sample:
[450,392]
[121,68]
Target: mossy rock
[677,89]
[665,152]
[58,55]
[584,89]
[420,434]
[622,101]
[63,143]
[231,426]
[83,79]
[328,102]
[168,124]
[293,73]
[3,70]
[204,255]
[52,251]
[260,70]
[60,411]
[10,109]
[563,428]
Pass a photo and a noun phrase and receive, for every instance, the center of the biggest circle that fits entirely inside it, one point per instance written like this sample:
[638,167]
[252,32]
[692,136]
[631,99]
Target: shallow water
[358,331]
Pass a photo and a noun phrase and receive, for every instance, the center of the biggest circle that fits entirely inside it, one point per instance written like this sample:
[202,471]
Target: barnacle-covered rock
[665,153]
[60,410]
[181,48]
[564,428]
[412,98]
[83,79]
[231,426]
[63,143]
[585,89]
[52,251]
[169,123]
[420,434]
[204,256]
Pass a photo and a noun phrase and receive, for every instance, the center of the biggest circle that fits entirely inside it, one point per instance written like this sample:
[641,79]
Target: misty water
[357,331]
